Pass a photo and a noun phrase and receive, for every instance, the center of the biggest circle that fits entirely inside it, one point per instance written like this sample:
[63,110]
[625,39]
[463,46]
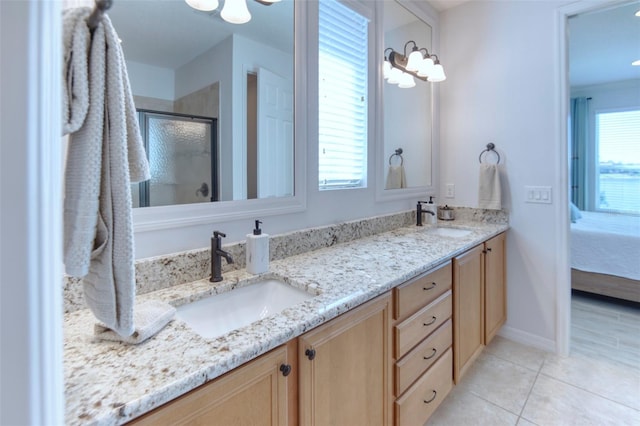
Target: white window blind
[342,97]
[618,172]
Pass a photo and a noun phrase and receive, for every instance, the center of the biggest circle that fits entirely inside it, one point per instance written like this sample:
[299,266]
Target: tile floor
[598,384]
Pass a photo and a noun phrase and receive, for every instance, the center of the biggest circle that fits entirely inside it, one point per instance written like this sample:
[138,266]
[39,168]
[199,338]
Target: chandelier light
[233,11]
[401,69]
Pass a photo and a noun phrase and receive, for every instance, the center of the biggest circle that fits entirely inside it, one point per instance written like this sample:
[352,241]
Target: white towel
[489,194]
[396,178]
[105,155]
[150,318]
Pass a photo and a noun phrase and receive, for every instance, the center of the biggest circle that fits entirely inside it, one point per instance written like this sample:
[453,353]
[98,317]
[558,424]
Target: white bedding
[607,244]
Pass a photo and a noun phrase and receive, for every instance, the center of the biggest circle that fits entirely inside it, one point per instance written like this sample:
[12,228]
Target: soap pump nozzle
[257,230]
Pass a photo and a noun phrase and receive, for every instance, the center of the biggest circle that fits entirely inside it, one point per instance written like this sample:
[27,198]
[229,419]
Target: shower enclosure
[182,152]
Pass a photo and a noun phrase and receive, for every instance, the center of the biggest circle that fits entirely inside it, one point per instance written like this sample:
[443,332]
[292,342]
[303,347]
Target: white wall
[503,87]
[161,86]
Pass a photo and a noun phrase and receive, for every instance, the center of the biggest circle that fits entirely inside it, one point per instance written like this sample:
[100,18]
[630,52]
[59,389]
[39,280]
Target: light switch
[538,194]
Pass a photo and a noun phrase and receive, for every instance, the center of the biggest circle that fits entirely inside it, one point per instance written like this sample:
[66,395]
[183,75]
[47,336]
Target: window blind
[618,175]
[342,108]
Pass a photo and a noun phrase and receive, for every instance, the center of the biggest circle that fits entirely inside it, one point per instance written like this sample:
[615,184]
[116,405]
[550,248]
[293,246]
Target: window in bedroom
[342,96]
[618,161]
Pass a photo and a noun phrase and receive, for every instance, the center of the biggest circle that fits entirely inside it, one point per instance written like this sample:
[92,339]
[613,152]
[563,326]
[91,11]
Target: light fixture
[419,63]
[438,72]
[406,81]
[203,5]
[233,11]
[636,63]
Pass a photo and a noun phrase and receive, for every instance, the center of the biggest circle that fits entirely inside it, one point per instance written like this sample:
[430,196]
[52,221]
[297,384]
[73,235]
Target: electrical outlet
[450,190]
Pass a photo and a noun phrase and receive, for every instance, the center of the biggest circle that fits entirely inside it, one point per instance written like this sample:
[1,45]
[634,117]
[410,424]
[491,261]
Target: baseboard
[527,339]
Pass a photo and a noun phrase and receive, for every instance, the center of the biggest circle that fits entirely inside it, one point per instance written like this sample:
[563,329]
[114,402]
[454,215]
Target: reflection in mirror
[197,66]
[407,111]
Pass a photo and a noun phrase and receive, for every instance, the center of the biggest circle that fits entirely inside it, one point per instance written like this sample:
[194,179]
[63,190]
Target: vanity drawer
[416,293]
[414,329]
[416,362]
[422,399]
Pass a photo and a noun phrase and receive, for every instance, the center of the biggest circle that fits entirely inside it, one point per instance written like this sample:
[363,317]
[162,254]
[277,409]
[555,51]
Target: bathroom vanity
[381,342]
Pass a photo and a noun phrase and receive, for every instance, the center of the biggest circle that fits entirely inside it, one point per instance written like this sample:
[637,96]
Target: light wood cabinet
[468,309]
[422,345]
[479,301]
[257,393]
[345,368]
[495,289]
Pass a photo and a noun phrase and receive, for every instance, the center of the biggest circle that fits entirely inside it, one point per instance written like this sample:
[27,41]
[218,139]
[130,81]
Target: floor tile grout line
[588,391]
[535,380]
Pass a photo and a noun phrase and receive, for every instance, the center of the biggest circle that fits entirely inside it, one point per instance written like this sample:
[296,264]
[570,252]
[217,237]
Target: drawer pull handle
[433,319]
[310,353]
[286,369]
[432,354]
[433,285]
[427,401]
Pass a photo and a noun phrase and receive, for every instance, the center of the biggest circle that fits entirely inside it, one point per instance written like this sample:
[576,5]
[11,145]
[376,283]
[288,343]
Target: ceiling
[602,43]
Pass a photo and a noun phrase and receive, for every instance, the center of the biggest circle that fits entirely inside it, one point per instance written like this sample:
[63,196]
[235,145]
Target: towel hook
[398,152]
[96,15]
[490,148]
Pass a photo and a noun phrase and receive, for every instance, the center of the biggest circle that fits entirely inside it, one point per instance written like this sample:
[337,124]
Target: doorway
[610,89]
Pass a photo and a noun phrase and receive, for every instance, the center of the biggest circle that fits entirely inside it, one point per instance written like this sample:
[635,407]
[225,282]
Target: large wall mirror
[234,84]
[407,145]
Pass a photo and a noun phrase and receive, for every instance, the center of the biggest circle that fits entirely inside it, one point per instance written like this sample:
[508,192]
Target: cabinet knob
[286,369]
[433,285]
[488,248]
[427,401]
[433,319]
[310,353]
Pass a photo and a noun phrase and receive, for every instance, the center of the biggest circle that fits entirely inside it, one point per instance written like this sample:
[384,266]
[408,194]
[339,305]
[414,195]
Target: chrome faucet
[420,212]
[216,256]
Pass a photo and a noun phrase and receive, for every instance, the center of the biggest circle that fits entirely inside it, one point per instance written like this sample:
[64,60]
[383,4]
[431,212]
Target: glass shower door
[182,157]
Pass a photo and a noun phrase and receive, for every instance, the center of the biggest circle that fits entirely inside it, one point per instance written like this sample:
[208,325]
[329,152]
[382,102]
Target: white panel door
[275,135]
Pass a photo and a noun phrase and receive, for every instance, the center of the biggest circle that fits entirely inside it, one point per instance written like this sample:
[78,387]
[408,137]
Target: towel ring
[399,154]
[490,148]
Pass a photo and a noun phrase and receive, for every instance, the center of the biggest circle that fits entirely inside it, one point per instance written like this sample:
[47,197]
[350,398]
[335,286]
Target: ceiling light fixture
[233,11]
[401,68]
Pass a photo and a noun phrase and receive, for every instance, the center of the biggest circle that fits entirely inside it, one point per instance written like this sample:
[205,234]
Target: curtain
[578,150]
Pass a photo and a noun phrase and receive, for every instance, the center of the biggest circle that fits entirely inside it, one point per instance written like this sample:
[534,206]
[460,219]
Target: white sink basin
[219,314]
[449,232]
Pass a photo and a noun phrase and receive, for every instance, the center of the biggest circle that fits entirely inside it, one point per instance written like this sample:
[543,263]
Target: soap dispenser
[431,217]
[257,251]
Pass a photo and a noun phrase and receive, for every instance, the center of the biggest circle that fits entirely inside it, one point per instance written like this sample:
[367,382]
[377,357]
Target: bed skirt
[606,285]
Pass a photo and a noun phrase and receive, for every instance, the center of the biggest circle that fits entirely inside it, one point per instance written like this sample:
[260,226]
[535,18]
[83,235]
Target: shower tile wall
[203,102]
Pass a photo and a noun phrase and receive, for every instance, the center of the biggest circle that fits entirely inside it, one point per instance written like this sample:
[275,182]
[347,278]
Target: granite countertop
[109,383]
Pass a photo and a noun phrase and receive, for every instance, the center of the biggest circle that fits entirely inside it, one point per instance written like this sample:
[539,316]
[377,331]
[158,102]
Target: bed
[605,255]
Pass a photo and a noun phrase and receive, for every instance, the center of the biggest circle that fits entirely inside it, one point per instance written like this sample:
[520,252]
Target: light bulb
[406,81]
[438,74]
[394,76]
[426,67]
[203,5]
[235,12]
[415,58]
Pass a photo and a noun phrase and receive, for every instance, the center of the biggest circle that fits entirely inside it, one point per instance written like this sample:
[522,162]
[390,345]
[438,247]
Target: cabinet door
[345,368]
[495,286]
[468,309]
[256,394]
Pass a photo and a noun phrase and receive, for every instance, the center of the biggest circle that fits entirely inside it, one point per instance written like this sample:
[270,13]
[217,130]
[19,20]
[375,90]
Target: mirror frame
[177,216]
[425,13]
